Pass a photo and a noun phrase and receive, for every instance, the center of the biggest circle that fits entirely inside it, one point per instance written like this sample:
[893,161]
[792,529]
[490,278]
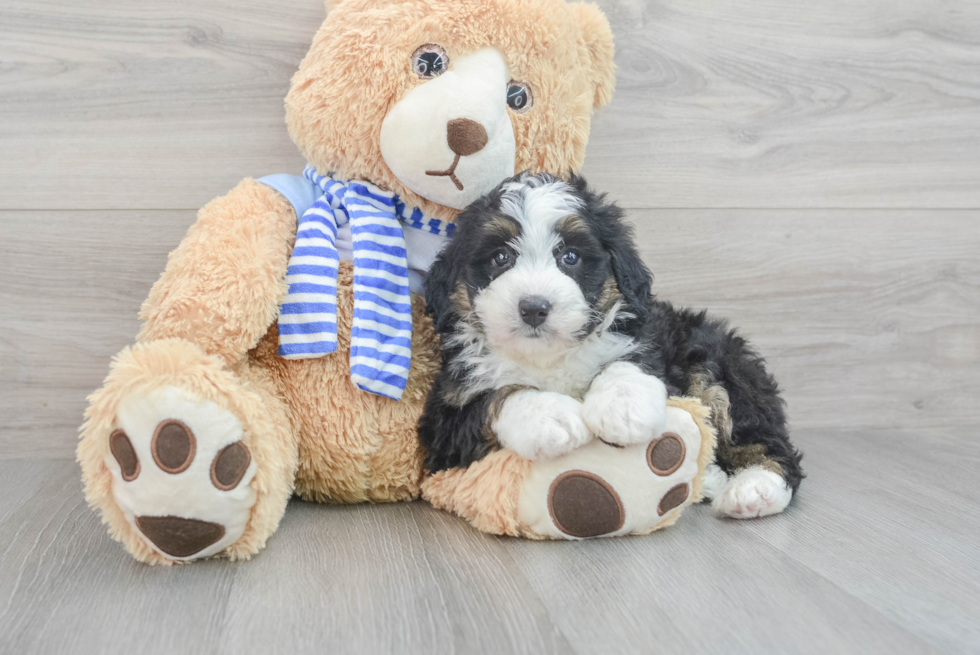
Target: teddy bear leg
[608,489]
[184,457]
[356,446]
[598,490]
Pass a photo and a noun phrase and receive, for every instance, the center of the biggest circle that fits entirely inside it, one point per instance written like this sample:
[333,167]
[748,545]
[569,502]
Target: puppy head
[536,267]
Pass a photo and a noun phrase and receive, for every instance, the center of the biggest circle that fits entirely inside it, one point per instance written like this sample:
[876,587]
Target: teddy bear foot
[603,490]
[597,490]
[183,457]
[181,473]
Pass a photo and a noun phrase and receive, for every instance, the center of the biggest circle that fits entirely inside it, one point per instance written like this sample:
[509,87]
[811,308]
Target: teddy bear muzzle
[455,125]
[465,137]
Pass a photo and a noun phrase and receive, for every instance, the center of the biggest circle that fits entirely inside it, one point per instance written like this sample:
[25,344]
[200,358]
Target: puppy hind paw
[752,493]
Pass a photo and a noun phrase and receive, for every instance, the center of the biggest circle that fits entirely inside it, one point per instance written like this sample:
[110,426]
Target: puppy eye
[570,258]
[430,60]
[500,258]
[519,96]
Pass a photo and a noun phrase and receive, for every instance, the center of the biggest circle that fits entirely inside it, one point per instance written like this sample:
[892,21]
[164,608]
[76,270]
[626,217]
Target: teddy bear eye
[519,96]
[430,60]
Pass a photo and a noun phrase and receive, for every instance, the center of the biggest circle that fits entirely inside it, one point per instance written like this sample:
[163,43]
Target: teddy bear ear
[599,43]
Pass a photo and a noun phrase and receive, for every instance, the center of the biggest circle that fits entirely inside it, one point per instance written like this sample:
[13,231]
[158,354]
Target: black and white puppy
[551,336]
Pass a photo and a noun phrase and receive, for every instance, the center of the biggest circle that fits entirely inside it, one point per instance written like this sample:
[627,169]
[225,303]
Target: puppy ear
[439,286]
[634,279]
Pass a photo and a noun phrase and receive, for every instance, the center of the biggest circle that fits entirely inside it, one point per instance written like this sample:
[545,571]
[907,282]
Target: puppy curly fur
[490,356]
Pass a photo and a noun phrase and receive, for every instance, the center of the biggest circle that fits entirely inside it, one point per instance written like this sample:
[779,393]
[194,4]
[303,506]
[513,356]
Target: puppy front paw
[624,405]
[541,424]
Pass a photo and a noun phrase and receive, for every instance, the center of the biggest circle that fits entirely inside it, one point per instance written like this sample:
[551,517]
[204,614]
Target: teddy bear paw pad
[584,505]
[666,454]
[603,490]
[181,473]
[179,537]
[673,498]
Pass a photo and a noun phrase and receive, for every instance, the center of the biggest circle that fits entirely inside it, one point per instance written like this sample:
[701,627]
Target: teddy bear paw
[181,473]
[752,493]
[599,490]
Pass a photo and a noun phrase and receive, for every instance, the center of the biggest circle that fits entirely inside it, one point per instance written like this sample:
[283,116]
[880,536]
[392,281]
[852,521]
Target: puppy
[550,336]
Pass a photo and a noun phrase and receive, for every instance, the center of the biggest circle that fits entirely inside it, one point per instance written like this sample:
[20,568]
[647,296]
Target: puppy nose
[466,137]
[534,310]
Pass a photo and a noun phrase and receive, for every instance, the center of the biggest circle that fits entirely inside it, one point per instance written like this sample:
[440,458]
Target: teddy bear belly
[353,446]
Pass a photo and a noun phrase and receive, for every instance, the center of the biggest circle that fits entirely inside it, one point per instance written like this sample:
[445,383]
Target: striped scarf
[381,334]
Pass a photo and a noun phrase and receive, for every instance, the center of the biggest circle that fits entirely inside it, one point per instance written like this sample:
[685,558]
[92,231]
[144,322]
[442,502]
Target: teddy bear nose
[466,137]
[534,310]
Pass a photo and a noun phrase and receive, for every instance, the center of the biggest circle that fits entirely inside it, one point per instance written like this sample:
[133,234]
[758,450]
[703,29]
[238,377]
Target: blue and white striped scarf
[381,334]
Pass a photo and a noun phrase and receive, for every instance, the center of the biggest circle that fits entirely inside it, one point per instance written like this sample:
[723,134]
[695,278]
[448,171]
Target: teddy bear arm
[223,283]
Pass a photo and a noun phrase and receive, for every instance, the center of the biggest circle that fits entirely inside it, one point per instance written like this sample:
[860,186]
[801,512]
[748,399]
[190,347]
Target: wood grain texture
[868,318]
[792,104]
[867,560]
[71,284]
[113,104]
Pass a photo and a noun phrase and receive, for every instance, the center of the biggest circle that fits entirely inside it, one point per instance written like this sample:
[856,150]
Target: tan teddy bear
[264,369]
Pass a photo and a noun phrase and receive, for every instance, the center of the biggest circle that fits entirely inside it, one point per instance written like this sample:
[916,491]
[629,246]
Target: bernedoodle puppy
[551,336]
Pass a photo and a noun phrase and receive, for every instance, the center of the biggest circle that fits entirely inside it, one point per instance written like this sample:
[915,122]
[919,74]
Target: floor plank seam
[793,561]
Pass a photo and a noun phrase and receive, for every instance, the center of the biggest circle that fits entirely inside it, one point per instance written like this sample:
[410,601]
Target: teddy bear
[285,348]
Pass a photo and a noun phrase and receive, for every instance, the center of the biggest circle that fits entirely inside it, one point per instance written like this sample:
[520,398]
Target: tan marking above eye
[572,224]
[229,466]
[505,226]
[173,446]
[122,450]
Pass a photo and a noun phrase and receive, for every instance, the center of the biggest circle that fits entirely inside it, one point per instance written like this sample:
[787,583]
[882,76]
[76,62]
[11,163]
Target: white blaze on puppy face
[415,139]
[537,208]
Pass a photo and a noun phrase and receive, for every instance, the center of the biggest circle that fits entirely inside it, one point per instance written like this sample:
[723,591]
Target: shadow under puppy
[551,336]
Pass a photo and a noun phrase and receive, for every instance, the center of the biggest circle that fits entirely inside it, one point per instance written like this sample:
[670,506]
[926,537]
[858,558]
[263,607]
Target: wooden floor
[872,558]
[810,170]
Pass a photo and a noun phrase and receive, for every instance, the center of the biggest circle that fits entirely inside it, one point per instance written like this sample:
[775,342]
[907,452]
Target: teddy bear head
[440,100]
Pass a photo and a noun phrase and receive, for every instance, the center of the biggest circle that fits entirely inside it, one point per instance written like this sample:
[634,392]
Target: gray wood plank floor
[810,170]
[763,103]
[869,559]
